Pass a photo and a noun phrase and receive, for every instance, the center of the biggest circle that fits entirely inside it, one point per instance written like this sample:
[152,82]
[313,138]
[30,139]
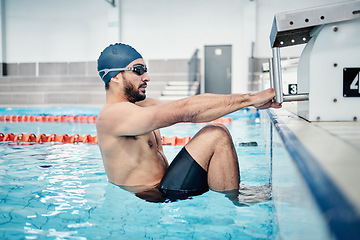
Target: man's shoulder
[111,116]
[118,110]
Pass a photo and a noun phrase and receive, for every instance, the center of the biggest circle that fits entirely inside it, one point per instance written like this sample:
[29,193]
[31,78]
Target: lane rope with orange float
[64,138]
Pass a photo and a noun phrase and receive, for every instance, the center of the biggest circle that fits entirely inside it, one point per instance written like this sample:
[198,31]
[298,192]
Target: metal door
[218,69]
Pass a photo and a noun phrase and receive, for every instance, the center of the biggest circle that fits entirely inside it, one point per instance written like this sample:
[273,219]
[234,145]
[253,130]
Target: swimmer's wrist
[245,100]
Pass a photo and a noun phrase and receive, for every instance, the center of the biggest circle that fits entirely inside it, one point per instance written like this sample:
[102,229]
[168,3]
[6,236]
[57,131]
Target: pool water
[60,191]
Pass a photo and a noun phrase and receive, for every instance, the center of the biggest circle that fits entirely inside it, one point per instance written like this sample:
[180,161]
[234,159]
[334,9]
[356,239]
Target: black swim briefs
[183,178]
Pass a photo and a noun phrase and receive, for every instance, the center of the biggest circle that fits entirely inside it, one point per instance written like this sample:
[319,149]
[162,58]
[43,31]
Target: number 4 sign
[351,82]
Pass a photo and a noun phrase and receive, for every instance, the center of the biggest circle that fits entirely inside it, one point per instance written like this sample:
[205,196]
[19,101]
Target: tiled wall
[53,68]
[172,67]
[254,81]
[74,82]
[169,66]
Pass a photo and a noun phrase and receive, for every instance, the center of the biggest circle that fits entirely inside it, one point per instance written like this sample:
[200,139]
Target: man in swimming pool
[130,142]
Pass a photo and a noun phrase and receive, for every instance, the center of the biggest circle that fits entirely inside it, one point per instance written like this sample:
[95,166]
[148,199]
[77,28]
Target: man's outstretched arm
[208,107]
[128,119]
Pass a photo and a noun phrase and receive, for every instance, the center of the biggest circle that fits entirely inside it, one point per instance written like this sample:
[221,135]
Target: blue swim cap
[117,55]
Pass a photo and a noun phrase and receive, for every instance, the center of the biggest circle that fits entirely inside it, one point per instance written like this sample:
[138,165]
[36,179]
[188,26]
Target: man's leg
[213,149]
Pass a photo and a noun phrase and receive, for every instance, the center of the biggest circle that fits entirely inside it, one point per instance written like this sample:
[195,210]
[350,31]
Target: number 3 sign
[292,89]
[351,82]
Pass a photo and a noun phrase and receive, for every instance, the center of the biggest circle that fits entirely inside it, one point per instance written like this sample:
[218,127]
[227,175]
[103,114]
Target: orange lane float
[224,120]
[77,119]
[64,138]
[174,141]
[42,138]
[48,118]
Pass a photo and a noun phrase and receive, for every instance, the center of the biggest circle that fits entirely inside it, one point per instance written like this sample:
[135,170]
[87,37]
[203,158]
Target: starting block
[328,74]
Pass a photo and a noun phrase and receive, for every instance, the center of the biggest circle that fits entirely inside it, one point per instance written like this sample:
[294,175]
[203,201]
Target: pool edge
[340,214]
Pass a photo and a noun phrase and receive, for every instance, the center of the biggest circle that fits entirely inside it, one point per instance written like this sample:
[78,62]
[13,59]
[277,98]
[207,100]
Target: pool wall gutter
[340,213]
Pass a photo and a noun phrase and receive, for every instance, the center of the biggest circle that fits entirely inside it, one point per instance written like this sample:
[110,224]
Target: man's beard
[132,94]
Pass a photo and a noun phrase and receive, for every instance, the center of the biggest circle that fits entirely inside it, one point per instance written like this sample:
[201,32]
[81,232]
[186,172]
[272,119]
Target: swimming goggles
[138,69]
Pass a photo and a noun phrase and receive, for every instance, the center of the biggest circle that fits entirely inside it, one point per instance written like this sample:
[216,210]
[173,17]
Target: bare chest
[146,142]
